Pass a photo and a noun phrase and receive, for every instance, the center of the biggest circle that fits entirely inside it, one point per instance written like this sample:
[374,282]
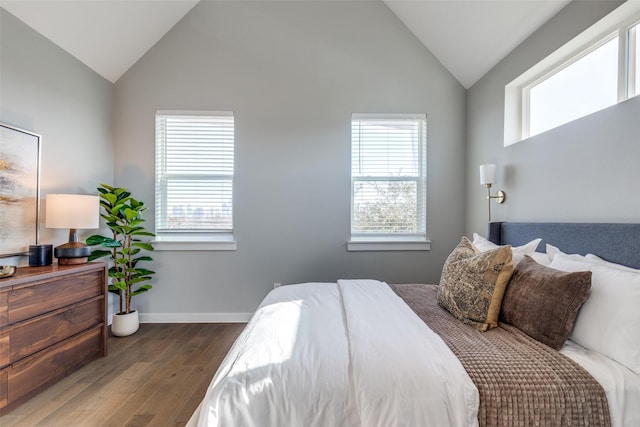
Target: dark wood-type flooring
[155,377]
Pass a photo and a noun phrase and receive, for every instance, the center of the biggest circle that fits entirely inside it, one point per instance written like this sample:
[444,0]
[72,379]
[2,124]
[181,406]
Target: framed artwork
[19,190]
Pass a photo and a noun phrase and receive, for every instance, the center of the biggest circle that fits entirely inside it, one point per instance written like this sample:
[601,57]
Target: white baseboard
[195,317]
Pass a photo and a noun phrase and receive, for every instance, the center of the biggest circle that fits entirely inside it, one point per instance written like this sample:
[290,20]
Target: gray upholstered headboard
[619,243]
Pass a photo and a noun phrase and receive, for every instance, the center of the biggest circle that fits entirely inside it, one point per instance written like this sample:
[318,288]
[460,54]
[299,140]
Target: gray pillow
[543,302]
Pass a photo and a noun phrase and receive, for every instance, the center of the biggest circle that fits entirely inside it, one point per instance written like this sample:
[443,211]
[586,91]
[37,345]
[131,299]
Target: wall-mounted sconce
[487,178]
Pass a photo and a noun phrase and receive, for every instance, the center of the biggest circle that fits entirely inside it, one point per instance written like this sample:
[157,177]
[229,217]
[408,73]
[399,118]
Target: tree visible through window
[388,175]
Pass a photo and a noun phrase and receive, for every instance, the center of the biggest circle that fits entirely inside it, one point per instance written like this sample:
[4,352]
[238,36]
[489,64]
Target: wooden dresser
[52,322]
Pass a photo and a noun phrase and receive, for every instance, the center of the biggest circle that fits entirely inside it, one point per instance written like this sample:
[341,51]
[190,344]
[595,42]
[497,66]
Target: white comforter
[345,354]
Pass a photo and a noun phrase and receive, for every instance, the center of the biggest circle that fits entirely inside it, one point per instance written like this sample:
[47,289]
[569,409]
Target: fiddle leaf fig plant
[125,248]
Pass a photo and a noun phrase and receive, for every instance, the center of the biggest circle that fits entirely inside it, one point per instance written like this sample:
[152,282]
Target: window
[194,180]
[585,86]
[634,60]
[388,181]
[595,70]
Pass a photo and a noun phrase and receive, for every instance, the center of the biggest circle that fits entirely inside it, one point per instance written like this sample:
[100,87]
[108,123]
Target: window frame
[633,59]
[616,24]
[210,239]
[526,89]
[359,241]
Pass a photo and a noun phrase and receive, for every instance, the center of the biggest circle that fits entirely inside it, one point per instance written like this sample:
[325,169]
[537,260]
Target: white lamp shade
[487,174]
[72,211]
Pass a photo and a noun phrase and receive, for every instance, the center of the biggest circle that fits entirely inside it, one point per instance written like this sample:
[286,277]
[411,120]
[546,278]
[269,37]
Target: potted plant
[123,216]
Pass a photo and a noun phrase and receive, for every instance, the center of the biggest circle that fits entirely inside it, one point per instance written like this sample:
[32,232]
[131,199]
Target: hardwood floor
[155,377]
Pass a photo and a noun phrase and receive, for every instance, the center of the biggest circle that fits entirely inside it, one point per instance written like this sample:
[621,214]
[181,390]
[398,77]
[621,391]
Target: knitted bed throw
[521,381]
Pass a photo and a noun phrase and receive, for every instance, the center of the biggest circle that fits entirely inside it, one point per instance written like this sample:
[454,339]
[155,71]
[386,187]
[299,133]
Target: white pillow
[518,252]
[597,260]
[552,251]
[541,258]
[608,322]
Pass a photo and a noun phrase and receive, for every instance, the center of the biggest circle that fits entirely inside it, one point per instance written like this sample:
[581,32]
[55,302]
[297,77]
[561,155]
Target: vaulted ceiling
[467,36]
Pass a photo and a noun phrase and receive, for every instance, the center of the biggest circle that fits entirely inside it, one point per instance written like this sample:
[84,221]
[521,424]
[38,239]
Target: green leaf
[143,233]
[98,254]
[95,239]
[119,285]
[141,290]
[111,198]
[123,194]
[135,261]
[135,224]
[143,245]
[106,242]
[130,214]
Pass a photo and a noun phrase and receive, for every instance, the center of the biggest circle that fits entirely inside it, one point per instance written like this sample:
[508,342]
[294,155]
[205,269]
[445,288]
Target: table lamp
[72,211]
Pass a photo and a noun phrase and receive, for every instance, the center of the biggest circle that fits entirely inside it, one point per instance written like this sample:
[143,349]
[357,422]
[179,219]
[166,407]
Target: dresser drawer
[4,349]
[46,296]
[3,309]
[33,336]
[4,381]
[32,374]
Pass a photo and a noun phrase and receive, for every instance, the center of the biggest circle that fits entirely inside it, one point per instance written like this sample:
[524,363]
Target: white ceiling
[109,36]
[468,36]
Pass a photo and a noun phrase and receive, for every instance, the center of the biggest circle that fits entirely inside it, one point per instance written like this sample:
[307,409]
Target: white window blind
[194,172]
[388,176]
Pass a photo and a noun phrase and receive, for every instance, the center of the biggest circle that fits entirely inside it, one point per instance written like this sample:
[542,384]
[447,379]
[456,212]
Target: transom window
[585,86]
[634,60]
[388,177]
[595,70]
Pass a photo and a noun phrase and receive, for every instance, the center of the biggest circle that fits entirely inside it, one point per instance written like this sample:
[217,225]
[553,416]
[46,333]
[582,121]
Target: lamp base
[72,261]
[72,253]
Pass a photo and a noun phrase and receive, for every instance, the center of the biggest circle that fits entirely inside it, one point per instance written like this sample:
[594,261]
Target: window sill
[195,243]
[388,245]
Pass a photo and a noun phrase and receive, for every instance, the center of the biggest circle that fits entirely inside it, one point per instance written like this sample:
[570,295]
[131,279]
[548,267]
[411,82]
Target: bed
[364,353]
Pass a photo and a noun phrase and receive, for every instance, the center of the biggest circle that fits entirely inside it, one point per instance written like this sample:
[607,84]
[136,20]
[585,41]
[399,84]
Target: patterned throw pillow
[473,284]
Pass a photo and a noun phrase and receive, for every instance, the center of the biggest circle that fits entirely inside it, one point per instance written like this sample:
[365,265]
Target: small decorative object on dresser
[7,271]
[52,322]
[123,215]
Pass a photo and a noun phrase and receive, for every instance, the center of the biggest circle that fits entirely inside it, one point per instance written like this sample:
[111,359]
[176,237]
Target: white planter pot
[124,325]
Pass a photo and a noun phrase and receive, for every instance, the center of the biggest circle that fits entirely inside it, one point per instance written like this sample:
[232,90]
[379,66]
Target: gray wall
[45,90]
[586,170]
[293,72]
